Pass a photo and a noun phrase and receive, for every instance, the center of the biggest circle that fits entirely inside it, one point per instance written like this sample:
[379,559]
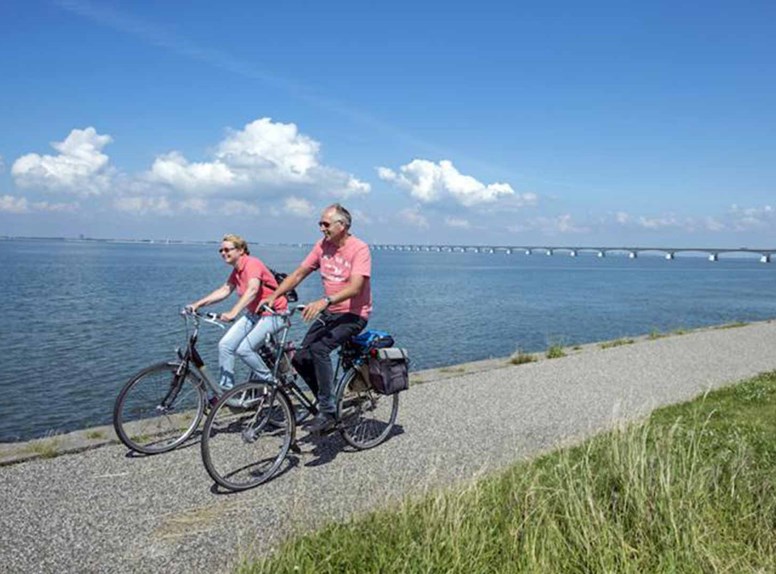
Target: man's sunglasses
[326,224]
[226,249]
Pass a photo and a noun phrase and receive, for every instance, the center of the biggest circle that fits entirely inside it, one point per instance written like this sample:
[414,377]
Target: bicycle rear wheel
[245,446]
[157,409]
[365,417]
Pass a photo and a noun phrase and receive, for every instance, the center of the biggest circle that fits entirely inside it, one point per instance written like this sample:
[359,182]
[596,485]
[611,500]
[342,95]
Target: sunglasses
[326,224]
[226,249]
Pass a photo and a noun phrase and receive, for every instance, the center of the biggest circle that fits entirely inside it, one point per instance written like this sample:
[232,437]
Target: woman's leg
[227,347]
[255,339]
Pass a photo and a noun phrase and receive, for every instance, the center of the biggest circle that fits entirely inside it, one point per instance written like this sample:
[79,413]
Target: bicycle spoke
[242,448]
[143,424]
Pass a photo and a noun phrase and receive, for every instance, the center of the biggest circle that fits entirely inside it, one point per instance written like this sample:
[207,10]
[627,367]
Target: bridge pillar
[669,255]
[549,252]
[766,258]
[602,254]
[633,255]
[527,251]
[714,257]
[573,253]
[508,252]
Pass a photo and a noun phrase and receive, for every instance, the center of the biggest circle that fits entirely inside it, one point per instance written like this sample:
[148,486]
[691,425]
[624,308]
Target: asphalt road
[106,511]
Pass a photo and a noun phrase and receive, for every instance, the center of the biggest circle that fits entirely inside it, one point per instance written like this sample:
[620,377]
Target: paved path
[102,511]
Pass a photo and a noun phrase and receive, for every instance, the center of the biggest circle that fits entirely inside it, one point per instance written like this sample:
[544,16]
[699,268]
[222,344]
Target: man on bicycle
[345,264]
[252,280]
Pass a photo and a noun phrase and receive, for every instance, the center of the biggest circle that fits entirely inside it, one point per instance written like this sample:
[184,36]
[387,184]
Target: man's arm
[353,288]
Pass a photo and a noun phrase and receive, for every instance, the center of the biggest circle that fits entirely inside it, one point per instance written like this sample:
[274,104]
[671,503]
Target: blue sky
[565,123]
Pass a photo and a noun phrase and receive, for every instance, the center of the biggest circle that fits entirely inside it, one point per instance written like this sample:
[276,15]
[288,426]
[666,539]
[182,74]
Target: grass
[520,358]
[691,489]
[455,370]
[616,343]
[735,325]
[46,448]
[95,434]
[555,351]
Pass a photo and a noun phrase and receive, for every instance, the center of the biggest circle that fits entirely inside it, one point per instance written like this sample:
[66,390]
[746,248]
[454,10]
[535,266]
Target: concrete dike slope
[103,510]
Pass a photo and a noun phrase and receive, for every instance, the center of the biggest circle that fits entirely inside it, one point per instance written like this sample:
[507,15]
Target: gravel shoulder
[101,509]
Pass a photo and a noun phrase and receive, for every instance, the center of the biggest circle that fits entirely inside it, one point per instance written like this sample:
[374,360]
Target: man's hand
[227,317]
[269,302]
[313,309]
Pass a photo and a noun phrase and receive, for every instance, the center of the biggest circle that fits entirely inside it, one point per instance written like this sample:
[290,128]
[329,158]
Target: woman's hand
[227,317]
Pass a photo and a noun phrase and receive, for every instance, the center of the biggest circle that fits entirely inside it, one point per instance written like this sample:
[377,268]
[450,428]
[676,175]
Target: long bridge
[713,253]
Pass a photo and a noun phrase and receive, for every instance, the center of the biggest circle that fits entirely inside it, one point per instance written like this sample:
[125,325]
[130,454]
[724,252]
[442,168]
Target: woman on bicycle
[253,282]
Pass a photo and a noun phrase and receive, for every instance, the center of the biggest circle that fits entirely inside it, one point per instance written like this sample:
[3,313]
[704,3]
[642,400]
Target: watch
[328,300]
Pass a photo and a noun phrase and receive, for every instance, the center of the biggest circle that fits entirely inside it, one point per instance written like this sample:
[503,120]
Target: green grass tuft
[555,352]
[616,343]
[520,358]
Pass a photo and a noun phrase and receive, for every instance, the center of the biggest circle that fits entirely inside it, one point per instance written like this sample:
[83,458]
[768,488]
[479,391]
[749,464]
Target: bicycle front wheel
[157,409]
[365,417]
[247,436]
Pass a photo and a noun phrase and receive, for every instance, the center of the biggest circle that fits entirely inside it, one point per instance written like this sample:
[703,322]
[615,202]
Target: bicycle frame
[191,360]
[287,384]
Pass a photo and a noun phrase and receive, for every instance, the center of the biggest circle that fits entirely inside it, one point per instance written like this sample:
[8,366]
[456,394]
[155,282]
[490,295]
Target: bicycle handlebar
[211,318]
[290,313]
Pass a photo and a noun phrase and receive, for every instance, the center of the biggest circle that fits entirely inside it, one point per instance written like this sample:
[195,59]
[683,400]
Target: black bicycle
[162,405]
[244,447]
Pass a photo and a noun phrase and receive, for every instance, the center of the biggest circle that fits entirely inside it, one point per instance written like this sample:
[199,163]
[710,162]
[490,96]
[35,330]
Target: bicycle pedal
[296,449]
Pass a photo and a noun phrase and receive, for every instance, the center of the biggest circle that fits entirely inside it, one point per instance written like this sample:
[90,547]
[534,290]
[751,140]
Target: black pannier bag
[388,370]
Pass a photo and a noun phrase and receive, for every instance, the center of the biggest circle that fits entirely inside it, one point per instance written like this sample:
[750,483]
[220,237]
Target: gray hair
[343,214]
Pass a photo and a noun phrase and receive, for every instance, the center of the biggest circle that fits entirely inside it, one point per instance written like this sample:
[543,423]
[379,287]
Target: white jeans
[243,339]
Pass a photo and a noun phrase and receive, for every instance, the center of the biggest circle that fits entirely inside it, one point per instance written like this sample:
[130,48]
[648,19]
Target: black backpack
[290,295]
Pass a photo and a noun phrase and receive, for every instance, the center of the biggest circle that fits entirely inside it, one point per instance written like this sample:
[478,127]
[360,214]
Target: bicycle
[242,448]
[161,406]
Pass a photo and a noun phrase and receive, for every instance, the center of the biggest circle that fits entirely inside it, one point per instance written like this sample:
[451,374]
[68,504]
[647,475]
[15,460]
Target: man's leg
[303,358]
[226,350]
[338,329]
[255,339]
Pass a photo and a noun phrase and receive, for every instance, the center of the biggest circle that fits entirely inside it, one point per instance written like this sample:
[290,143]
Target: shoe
[322,423]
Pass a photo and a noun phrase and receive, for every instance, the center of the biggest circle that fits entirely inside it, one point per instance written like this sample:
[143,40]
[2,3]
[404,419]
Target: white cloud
[713,224]
[194,205]
[559,225]
[232,208]
[262,158]
[299,207]
[429,182]
[11,204]
[360,217]
[457,222]
[753,217]
[175,170]
[662,222]
[144,205]
[80,167]
[414,218]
